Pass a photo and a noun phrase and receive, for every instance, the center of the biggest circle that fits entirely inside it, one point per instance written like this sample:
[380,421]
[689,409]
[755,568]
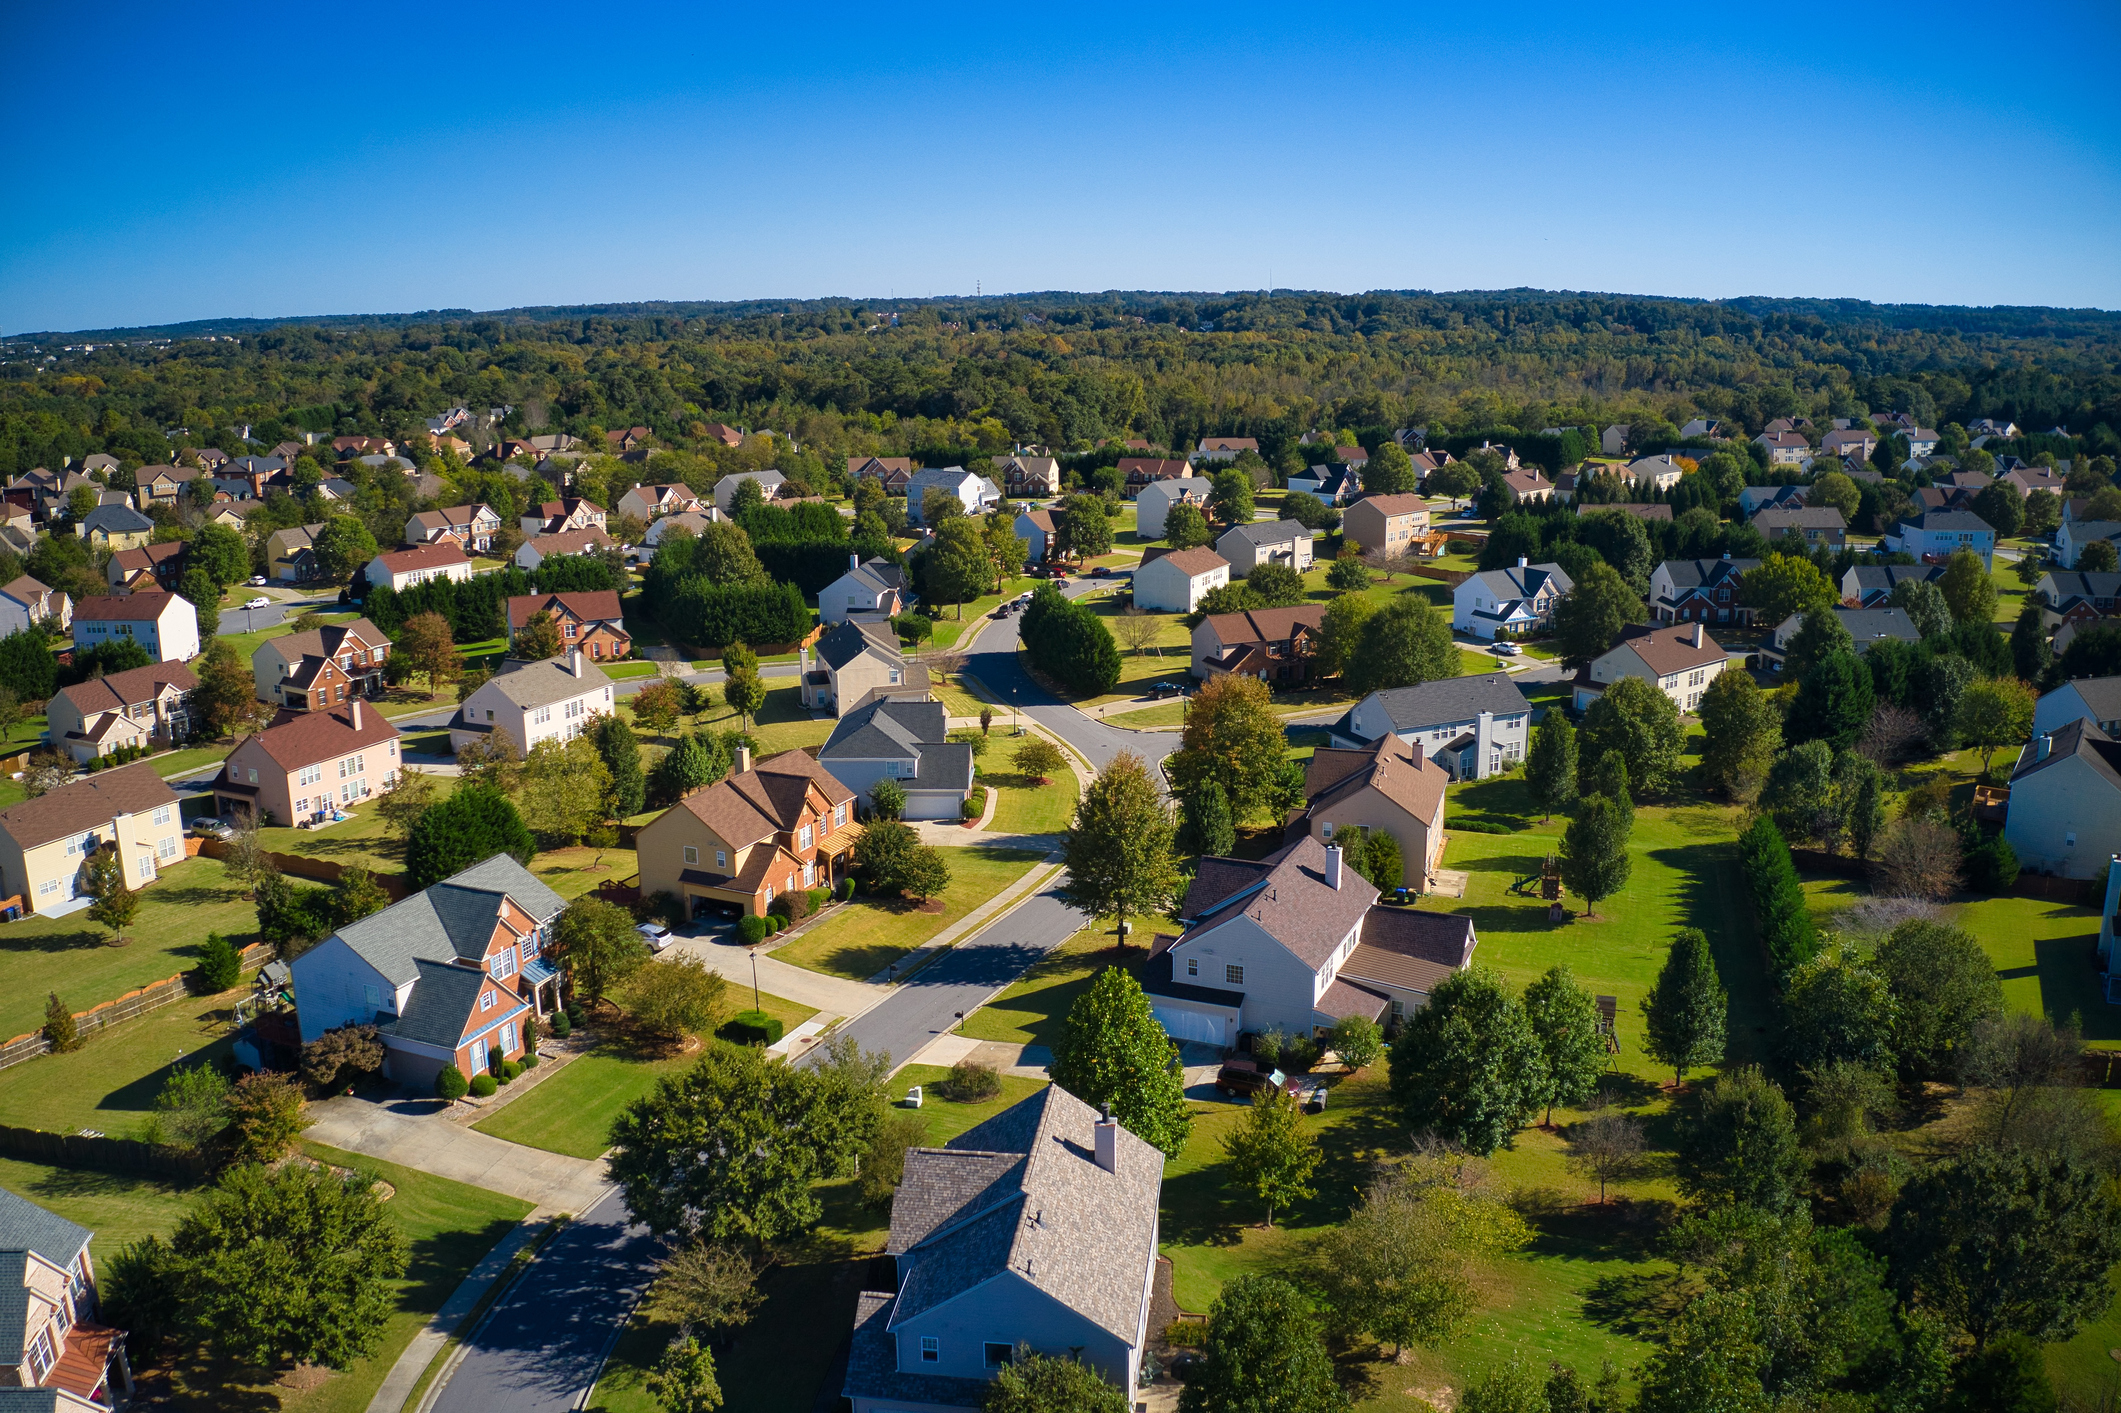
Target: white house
[2093,699]
[768,482]
[1662,472]
[872,586]
[24,601]
[401,569]
[1937,534]
[163,623]
[552,700]
[976,494]
[1246,547]
[908,743]
[1225,448]
[2065,802]
[1509,603]
[1157,498]
[471,526]
[1679,661]
[1473,727]
[2073,535]
[1178,581]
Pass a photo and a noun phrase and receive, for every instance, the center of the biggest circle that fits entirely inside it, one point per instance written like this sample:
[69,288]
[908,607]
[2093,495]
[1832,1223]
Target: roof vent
[1522,561]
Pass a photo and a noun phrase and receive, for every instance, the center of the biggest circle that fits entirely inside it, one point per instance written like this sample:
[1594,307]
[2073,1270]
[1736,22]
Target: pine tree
[1209,832]
[220,965]
[1111,1050]
[59,1030]
[1550,768]
[1594,852]
[1684,1013]
[622,757]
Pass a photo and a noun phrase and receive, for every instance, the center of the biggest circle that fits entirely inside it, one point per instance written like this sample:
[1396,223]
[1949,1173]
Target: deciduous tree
[1272,1154]
[677,999]
[1118,848]
[538,638]
[1607,1146]
[657,706]
[1232,737]
[1550,767]
[1737,1142]
[1340,633]
[1594,851]
[425,646]
[1564,1020]
[1468,1066]
[565,789]
[1111,1050]
[1264,1353]
[597,945]
[1967,588]
[1995,712]
[1636,719]
[1742,731]
[1590,616]
[1051,1383]
[1403,644]
[469,827]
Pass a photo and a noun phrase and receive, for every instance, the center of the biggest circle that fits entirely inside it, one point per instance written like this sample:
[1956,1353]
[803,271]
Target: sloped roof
[1410,948]
[1265,625]
[116,518]
[1394,505]
[1180,486]
[1272,532]
[1192,562]
[2080,740]
[1672,649]
[1800,517]
[1399,772]
[435,556]
[85,804]
[1522,581]
[147,556]
[452,919]
[1704,573]
[2101,694]
[443,999]
[120,689]
[1294,904]
[572,542]
[24,589]
[548,680]
[765,799]
[888,728]
[299,738]
[1450,699]
[849,639]
[147,606]
[1956,521]
[590,606]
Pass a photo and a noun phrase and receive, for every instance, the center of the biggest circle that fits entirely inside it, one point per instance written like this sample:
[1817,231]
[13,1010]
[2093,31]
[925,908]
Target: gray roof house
[1870,585]
[1247,547]
[875,585]
[1507,602]
[446,976]
[855,661]
[2093,699]
[556,699]
[1471,726]
[1037,1227]
[769,482]
[907,742]
[52,1353]
[1704,590]
[1865,625]
[2065,802]
[976,494]
[113,518]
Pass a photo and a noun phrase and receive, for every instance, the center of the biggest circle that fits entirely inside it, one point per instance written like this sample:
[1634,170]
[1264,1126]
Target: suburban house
[1921,441]
[1866,625]
[1679,661]
[115,526]
[769,483]
[1023,477]
[554,699]
[875,585]
[1473,727]
[57,1357]
[324,667]
[1225,448]
[1295,941]
[470,527]
[1143,471]
[650,502]
[1176,582]
[1703,427]
[1814,524]
[1785,448]
[2077,597]
[1662,472]
[1386,524]
[689,522]
[163,623]
[401,569]
[725,434]
[590,541]
[1852,441]
[161,485]
[2065,801]
[558,516]
[1034,1229]
[25,602]
[1613,441]
[141,706]
[627,438]
[290,554]
[976,494]
[1700,590]
[2027,479]
[907,743]
[591,620]
[1332,485]
[1390,786]
[858,657]
[1528,484]
[1872,585]
[2093,699]
[758,832]
[1155,500]
[46,843]
[447,976]
[1936,535]
[1265,542]
[1272,644]
[1509,603]
[2073,535]
[1037,530]
[308,764]
[891,472]
[1754,499]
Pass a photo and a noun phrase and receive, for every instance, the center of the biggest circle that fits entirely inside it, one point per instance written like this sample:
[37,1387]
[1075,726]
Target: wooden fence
[132,1005]
[1452,577]
[79,1150]
[316,870]
[2082,892]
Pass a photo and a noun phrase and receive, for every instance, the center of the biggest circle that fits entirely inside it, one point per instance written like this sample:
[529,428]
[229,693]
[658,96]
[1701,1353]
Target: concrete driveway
[413,1133]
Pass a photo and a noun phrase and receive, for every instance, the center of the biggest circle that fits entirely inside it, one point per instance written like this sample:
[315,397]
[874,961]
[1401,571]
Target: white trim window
[488,1000]
[147,866]
[504,965]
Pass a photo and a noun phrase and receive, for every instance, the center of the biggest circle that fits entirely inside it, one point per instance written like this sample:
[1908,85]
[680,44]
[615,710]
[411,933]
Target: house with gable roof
[115,526]
[2093,699]
[907,743]
[874,585]
[140,707]
[1389,525]
[163,623]
[591,620]
[1703,590]
[1175,581]
[53,1354]
[2077,597]
[1272,644]
[1866,627]
[1473,727]
[555,699]
[1814,524]
[471,527]
[756,833]
[307,764]
[2074,534]
[1037,1228]
[555,517]
[1039,534]
[1247,547]
[401,569]
[647,503]
[321,668]
[1679,661]
[46,843]
[25,601]
[148,567]
[976,495]
[1225,448]
[1872,585]
[447,976]
[1154,501]
[2065,802]
[1512,602]
[1023,476]
[1390,786]
[1938,534]
[858,658]
[592,540]
[769,484]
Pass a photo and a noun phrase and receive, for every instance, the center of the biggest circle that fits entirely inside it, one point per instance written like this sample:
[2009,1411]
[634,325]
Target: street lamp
[754,978]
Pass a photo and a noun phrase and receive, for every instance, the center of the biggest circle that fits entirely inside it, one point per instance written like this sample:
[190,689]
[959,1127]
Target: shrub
[450,1084]
[483,1086]
[752,1028]
[561,1026]
[220,966]
[1186,1334]
[1267,1046]
[974,806]
[574,1014]
[509,1070]
[971,1082]
[845,888]
[1300,1053]
[793,905]
[819,897]
[663,907]
[1992,868]
[753,929]
[1478,826]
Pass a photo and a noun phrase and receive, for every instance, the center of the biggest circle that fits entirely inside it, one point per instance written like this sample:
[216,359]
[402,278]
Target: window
[371,998]
[253,777]
[1193,966]
[542,715]
[508,1037]
[147,866]
[995,1356]
[360,764]
[692,853]
[302,804]
[894,677]
[344,767]
[47,887]
[1326,830]
[1235,975]
[504,962]
[167,849]
[721,859]
[804,837]
[931,1349]
[839,815]
[162,814]
[809,874]
[311,774]
[41,1358]
[487,1000]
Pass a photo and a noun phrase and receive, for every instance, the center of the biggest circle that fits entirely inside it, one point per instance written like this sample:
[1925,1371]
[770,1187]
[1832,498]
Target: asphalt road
[245,620]
[543,1344]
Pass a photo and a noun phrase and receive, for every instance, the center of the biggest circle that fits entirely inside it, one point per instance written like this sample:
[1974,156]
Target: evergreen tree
[1550,766]
[1833,703]
[220,966]
[469,827]
[1737,1142]
[1209,831]
[1742,730]
[695,762]
[59,1031]
[1684,1014]
[1564,1019]
[1111,1050]
[622,757]
[1594,852]
[2031,655]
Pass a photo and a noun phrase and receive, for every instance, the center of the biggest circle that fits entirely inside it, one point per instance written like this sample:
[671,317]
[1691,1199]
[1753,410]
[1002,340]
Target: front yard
[1025,806]
[870,934]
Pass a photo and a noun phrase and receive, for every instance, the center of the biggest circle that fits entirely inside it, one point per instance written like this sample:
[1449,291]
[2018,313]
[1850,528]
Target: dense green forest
[956,377]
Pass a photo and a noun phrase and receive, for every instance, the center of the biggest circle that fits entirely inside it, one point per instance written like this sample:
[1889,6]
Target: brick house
[1272,644]
[321,668]
[760,831]
[53,1354]
[590,621]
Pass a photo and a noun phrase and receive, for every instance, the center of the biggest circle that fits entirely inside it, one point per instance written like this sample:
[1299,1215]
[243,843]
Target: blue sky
[177,162]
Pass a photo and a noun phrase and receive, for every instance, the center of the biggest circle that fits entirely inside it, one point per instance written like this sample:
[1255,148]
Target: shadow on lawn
[1714,898]
[50,941]
[138,1095]
[60,1184]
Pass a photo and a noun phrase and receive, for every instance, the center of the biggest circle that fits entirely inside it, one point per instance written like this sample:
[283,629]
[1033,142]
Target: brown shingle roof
[594,606]
[1266,625]
[1401,773]
[1394,505]
[135,684]
[742,809]
[1152,468]
[572,542]
[1293,903]
[425,557]
[1668,650]
[1196,561]
[147,556]
[299,738]
[143,607]
[81,806]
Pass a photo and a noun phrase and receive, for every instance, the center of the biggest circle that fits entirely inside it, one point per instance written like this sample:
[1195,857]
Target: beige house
[1266,542]
[1680,661]
[322,668]
[551,700]
[1178,581]
[472,527]
[751,836]
[307,764]
[1528,484]
[58,1357]
[1390,786]
[25,601]
[855,661]
[1386,524]
[141,706]
[649,502]
[290,556]
[558,516]
[589,541]
[404,568]
[46,843]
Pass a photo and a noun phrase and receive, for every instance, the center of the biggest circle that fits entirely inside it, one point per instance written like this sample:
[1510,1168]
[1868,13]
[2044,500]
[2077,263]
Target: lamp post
[754,978]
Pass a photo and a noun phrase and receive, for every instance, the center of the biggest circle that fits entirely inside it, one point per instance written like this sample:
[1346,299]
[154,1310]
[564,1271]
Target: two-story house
[401,569]
[1247,547]
[976,495]
[1512,602]
[1390,786]
[854,659]
[291,555]
[683,522]
[2076,597]
[114,526]
[161,485]
[53,1354]
[470,527]
[1866,627]
[1473,727]
[1175,581]
[1331,484]
[148,567]
[447,976]
[768,482]
[533,553]
[1153,503]
[324,667]
[1040,535]
[46,843]
[1661,473]
[1225,448]
[569,513]
[1034,1229]
[652,502]
[162,622]
[1023,477]
[1141,471]
[1528,484]
[307,765]
[1785,448]
[139,707]
[591,621]
[1814,524]
[1938,534]
[2093,699]
[1272,644]
[25,602]
[890,472]
[758,832]
[874,586]
[1295,941]
[1871,585]
[552,700]
[2064,814]
[1386,524]
[907,743]
[2074,534]
[1700,590]
[1679,661]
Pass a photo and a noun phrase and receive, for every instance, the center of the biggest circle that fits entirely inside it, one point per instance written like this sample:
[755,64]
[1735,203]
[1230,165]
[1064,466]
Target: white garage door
[1182,1022]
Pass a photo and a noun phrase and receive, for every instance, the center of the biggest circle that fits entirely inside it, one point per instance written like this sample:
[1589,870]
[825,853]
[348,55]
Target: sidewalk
[413,1361]
[414,1134]
[832,995]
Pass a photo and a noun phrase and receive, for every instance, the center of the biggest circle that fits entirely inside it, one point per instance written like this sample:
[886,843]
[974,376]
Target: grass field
[118,1207]
[1029,1012]
[863,939]
[70,954]
[1027,807]
[110,1083]
[781,724]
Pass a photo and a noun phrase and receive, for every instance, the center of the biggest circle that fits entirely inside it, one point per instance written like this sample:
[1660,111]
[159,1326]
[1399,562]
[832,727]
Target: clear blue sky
[168,162]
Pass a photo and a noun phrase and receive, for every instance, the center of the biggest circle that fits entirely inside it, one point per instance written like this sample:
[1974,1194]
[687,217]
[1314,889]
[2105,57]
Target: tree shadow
[1715,898]
[70,941]
[65,1184]
[138,1095]
[1638,1304]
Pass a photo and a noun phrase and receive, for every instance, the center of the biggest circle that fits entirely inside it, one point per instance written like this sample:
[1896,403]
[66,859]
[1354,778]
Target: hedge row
[1778,898]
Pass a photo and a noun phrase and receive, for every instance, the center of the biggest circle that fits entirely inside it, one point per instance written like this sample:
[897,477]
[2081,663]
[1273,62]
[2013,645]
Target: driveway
[412,1133]
[833,995]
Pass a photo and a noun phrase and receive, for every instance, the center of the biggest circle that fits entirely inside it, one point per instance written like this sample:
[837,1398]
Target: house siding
[2060,801]
[1006,1310]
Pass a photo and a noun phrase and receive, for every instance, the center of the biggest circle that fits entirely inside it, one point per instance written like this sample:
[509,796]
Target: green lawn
[189,759]
[110,1083]
[781,724]
[625,671]
[959,620]
[573,872]
[866,937]
[362,839]
[1155,718]
[1027,807]
[1030,1011]
[117,1207]
[70,954]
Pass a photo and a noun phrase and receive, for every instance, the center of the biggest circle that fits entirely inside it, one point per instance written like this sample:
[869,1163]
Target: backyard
[867,936]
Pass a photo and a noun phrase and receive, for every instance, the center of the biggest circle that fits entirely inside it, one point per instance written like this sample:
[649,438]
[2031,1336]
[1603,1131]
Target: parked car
[657,936]
[207,827]
[1167,689]
[259,602]
[1505,649]
[256,581]
[1242,1078]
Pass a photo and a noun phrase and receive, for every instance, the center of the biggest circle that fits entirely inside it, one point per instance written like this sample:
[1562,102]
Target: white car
[256,581]
[259,602]
[1505,650]
[657,935]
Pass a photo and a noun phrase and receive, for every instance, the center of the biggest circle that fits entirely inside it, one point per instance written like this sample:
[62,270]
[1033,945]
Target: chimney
[2042,746]
[1697,632]
[854,561]
[743,760]
[1107,1140]
[574,661]
[356,713]
[1522,561]
[1333,866]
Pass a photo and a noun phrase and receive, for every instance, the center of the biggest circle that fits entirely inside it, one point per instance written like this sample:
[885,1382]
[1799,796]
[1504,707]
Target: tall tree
[1684,1014]
[1924,604]
[657,707]
[1786,584]
[1111,1050]
[1468,1065]
[1944,988]
[566,788]
[1564,1019]
[426,647]
[1995,712]
[1636,719]
[1594,851]
[1271,1153]
[723,554]
[1550,767]
[598,946]
[745,692]
[1403,644]
[1118,847]
[1590,616]
[1389,472]
[1340,633]
[1230,497]
[621,754]
[1083,529]
[1263,1355]
[2031,655]
[1737,1142]
[116,905]
[342,547]
[1967,587]
[1233,738]
[1209,830]
[1741,733]
[469,827]
[538,638]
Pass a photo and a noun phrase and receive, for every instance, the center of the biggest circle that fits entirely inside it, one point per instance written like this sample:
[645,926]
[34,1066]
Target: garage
[1195,1021]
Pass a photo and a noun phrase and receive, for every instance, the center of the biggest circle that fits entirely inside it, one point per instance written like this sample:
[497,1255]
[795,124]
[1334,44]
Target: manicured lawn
[781,724]
[573,872]
[1155,718]
[117,1207]
[362,839]
[861,940]
[69,954]
[1031,1010]
[624,671]
[110,1083]
[189,759]
[1027,807]
[958,620]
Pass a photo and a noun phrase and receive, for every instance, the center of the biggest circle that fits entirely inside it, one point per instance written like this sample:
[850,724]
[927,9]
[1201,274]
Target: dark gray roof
[28,1400]
[843,644]
[436,1012]
[541,683]
[1883,578]
[1450,699]
[1522,581]
[1869,625]
[2062,585]
[872,1363]
[452,919]
[2101,694]
[1296,906]
[1957,521]
[2077,738]
[1804,517]
[878,573]
[1271,532]
[25,1227]
[1219,878]
[1159,978]
[891,729]
[1695,573]
[116,519]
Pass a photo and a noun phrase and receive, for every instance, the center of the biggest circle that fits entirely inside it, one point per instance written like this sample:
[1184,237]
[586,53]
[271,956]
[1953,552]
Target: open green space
[72,956]
[782,723]
[870,934]
[118,1207]
[189,759]
[626,671]
[1027,807]
[109,1084]
[1030,1011]
[573,872]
